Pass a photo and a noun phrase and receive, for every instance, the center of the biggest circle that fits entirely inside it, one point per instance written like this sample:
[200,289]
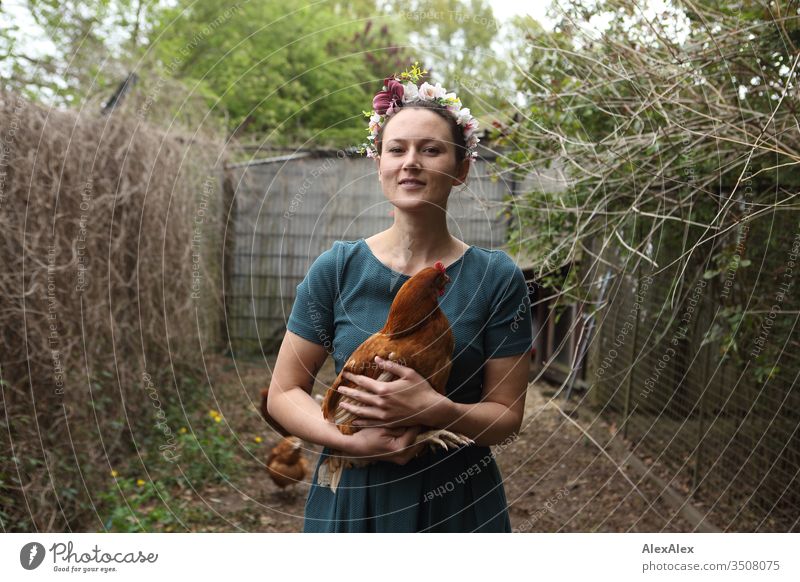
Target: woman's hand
[405,401]
[385,444]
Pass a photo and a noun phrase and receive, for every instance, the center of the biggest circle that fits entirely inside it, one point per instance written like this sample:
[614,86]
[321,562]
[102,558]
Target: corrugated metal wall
[287,212]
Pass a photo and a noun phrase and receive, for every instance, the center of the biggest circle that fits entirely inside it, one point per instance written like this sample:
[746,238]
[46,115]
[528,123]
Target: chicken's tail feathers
[332,396]
[332,468]
[330,402]
[330,473]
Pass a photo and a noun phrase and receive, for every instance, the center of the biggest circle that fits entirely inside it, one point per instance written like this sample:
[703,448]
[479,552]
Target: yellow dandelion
[182,430]
[213,413]
[114,473]
[257,439]
[140,482]
[217,419]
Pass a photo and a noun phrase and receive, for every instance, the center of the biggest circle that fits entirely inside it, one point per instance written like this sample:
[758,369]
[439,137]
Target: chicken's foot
[443,438]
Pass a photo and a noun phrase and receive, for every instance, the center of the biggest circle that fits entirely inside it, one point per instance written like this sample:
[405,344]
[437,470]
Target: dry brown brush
[108,296]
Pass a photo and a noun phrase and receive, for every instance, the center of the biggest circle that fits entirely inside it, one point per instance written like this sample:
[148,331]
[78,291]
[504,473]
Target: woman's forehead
[415,123]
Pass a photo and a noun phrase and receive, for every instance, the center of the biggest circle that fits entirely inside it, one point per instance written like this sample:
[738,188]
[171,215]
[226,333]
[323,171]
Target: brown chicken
[417,334]
[286,463]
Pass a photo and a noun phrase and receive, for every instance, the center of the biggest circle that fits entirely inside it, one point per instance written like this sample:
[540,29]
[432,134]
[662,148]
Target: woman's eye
[433,150]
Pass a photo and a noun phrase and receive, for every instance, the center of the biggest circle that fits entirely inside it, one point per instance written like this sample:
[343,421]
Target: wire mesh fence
[696,362]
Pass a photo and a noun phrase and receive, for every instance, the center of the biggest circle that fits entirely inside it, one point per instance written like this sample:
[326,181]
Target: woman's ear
[463,172]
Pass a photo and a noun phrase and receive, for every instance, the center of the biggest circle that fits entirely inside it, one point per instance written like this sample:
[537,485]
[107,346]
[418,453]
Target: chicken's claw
[444,439]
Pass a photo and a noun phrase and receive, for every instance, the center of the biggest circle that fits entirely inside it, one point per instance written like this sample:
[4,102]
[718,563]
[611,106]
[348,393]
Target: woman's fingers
[395,445]
[365,382]
[397,369]
[364,411]
[360,395]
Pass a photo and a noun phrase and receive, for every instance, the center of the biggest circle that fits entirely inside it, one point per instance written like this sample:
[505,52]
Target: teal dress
[343,300]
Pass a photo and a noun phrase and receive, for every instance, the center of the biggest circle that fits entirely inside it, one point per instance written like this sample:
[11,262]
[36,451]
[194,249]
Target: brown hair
[455,130]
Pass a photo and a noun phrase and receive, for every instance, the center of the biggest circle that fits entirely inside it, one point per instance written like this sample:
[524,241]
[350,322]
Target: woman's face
[417,165]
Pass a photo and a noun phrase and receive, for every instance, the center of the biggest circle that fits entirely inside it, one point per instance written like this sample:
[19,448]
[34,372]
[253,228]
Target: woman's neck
[413,242]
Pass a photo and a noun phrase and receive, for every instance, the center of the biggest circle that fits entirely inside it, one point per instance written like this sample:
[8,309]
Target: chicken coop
[289,209]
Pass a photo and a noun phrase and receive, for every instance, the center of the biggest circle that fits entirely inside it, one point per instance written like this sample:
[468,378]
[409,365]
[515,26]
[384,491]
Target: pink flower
[389,98]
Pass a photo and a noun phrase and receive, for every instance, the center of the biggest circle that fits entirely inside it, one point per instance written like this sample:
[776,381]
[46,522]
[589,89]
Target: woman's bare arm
[289,401]
[499,413]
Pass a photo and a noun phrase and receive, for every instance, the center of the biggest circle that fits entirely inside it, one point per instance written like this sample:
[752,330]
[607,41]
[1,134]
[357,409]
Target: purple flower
[390,98]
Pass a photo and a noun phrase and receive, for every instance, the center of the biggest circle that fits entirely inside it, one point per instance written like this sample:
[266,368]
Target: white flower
[430,92]
[425,91]
[375,122]
[440,92]
[410,92]
[463,116]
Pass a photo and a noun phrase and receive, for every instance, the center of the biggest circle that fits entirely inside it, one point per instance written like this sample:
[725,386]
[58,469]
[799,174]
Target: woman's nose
[411,159]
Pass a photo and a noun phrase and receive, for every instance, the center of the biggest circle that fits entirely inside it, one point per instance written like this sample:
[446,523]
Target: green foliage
[208,453]
[136,505]
[289,76]
[463,40]
[159,500]
[286,75]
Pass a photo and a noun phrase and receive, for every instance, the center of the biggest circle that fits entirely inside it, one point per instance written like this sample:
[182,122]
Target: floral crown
[402,89]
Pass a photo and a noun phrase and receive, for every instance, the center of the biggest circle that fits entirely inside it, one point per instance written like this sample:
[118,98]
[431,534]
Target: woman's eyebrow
[423,139]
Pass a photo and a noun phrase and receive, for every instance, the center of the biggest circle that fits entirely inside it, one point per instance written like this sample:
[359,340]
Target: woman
[423,143]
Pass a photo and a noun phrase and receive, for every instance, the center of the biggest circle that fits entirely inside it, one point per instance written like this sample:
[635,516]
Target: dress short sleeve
[509,330]
[312,313]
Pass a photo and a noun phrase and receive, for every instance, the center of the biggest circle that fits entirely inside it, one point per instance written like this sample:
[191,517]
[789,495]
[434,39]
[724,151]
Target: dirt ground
[556,478]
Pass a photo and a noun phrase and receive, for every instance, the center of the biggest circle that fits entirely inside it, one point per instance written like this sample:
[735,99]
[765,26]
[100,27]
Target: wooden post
[227,238]
[627,408]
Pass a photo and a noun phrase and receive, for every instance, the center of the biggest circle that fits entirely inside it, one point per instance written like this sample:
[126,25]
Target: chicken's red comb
[439,266]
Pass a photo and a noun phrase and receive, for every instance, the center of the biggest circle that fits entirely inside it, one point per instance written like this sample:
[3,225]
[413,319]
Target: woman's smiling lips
[411,183]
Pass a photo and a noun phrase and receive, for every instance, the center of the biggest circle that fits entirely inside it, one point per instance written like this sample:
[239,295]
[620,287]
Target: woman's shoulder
[337,249]
[493,259]
[345,245]
[338,256]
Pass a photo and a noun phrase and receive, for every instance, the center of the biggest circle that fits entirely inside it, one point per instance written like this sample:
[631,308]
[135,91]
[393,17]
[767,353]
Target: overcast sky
[504,8]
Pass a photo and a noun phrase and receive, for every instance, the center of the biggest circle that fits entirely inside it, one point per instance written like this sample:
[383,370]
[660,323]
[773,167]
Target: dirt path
[556,478]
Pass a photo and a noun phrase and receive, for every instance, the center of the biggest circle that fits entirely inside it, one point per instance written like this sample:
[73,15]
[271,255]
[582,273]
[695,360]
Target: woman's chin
[408,202]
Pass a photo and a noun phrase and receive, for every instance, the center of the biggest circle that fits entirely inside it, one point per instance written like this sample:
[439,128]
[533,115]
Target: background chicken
[417,334]
[286,463]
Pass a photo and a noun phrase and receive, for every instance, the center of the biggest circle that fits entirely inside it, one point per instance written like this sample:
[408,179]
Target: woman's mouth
[411,184]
